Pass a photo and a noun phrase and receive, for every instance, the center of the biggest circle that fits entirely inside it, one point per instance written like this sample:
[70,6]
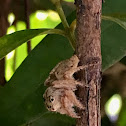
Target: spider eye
[48,106]
[51,99]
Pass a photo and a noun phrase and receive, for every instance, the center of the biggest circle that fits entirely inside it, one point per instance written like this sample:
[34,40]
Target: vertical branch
[2,72]
[4,10]
[89,52]
[27,13]
[2,61]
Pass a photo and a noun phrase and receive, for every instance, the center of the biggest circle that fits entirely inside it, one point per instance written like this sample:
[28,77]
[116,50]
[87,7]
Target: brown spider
[60,96]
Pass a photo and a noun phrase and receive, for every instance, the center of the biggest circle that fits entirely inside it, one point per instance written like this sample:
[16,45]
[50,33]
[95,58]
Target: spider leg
[48,81]
[55,68]
[69,74]
[52,76]
[62,111]
[69,84]
[70,94]
[68,106]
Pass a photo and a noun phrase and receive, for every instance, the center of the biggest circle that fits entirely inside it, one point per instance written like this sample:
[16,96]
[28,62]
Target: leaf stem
[54,31]
[62,15]
[69,34]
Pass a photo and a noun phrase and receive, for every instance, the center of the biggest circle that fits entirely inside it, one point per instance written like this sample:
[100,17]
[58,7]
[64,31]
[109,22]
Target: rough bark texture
[89,52]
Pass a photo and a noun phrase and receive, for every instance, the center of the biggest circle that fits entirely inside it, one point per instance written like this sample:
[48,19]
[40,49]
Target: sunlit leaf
[11,41]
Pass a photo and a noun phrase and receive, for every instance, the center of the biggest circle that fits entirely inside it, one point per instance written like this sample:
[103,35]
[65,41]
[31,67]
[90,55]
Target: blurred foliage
[113,107]
[39,19]
[21,99]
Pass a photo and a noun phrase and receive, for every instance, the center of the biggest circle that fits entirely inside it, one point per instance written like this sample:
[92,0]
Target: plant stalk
[70,35]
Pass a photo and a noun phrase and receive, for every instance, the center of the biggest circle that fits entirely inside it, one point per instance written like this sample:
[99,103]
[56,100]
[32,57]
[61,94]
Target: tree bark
[89,53]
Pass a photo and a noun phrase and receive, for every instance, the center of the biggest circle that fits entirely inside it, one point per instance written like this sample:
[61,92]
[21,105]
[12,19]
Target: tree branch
[3,28]
[89,52]
[2,72]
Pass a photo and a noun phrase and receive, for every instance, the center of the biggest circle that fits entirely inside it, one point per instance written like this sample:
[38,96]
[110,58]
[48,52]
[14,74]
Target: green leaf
[21,98]
[113,44]
[116,20]
[114,7]
[53,119]
[12,41]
